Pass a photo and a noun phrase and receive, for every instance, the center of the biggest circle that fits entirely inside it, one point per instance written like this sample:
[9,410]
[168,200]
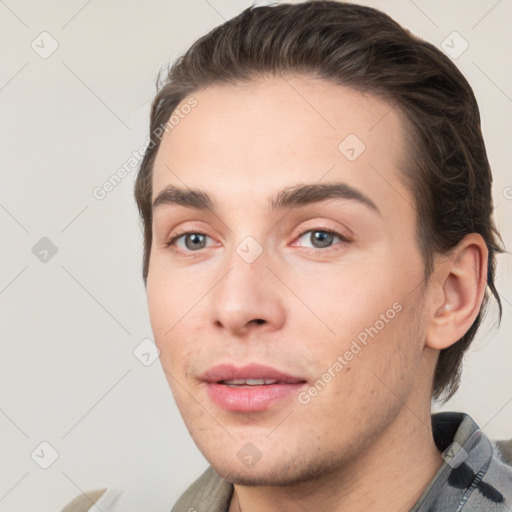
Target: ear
[459,286]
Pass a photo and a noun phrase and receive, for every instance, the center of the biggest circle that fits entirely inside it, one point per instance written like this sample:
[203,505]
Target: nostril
[259,321]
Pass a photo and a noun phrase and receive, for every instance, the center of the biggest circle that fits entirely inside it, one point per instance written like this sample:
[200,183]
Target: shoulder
[209,493]
[84,501]
[475,475]
[492,486]
[94,500]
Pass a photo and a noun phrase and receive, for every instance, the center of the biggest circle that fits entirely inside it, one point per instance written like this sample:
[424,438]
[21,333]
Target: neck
[389,475]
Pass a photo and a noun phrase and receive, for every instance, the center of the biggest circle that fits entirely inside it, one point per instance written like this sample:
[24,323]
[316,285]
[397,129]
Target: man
[317,206]
[316,202]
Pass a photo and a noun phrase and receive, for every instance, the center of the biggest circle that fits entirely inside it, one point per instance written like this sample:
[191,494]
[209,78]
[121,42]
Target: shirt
[472,478]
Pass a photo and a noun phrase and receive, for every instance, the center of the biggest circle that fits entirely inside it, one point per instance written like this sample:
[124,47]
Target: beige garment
[84,502]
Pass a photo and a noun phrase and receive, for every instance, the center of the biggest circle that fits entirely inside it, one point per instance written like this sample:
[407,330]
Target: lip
[250,371]
[253,398]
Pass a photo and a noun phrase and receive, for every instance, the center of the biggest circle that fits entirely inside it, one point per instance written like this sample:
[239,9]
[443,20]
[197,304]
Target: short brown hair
[363,48]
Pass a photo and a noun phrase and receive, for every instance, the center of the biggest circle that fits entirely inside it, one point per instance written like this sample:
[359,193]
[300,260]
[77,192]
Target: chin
[251,477]
[275,473]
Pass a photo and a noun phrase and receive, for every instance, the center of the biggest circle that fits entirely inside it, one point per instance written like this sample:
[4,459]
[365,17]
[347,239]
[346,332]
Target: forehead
[243,142]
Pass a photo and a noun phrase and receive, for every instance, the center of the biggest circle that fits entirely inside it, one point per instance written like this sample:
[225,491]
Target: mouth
[248,383]
[249,388]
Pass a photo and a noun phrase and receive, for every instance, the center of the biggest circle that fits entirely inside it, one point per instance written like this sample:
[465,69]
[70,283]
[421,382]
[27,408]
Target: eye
[193,240]
[323,237]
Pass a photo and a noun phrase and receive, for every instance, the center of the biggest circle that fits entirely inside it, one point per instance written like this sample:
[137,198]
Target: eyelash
[329,231]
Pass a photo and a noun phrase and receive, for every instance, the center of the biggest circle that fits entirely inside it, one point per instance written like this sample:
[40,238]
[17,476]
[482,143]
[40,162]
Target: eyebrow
[290,197]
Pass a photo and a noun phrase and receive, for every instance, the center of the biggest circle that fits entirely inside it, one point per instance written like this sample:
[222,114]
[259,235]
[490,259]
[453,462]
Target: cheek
[361,324]
[170,296]
[177,316]
[160,306]
[341,304]
[164,308]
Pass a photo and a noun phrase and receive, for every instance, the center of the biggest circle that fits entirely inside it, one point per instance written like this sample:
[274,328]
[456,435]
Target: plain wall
[69,325]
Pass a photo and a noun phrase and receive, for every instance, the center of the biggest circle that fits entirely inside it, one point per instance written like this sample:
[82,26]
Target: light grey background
[69,325]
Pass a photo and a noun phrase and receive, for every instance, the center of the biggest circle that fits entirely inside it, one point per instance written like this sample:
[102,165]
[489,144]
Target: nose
[247,298]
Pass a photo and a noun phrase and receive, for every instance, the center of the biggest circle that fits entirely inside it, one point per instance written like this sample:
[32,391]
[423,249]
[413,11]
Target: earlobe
[461,281]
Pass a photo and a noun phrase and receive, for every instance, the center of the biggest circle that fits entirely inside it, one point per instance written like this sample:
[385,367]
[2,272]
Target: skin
[365,439]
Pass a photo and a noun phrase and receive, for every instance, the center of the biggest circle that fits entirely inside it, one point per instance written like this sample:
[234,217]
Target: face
[289,320]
